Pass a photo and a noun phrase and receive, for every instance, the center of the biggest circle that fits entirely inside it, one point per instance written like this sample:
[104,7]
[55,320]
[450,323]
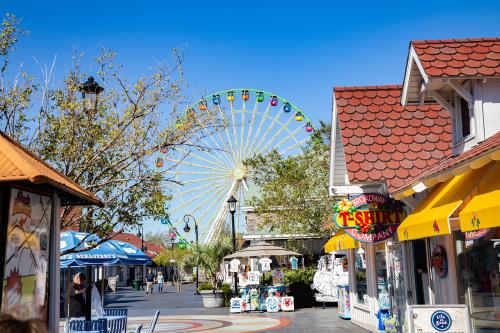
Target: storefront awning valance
[340,241]
[431,217]
[483,211]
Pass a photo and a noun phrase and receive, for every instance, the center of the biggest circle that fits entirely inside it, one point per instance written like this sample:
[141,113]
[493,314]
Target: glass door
[397,284]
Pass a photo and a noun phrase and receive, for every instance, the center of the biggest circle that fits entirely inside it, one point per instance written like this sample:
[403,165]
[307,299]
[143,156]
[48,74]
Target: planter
[212,299]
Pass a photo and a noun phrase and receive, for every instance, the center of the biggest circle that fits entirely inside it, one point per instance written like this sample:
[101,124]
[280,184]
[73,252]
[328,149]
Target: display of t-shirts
[265,264]
[294,261]
[278,277]
[234,266]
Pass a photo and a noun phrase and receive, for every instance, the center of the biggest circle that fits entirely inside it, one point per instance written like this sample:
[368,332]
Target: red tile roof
[459,57]
[385,141]
[152,250]
[489,145]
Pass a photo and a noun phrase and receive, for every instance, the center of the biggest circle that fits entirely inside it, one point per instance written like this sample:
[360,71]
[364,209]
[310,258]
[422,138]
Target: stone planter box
[212,299]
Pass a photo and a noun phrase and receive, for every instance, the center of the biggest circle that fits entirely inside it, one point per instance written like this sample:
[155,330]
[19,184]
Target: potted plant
[209,259]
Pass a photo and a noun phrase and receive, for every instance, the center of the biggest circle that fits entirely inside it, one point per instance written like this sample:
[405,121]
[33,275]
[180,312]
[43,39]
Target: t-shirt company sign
[439,319]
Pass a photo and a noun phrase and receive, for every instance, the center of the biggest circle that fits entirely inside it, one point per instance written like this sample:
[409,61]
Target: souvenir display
[273,303]
[253,278]
[294,262]
[265,264]
[235,305]
[278,277]
[254,299]
[287,303]
[330,273]
[234,266]
[439,261]
[344,303]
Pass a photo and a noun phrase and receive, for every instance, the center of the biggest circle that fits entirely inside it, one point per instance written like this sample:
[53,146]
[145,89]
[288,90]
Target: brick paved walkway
[184,312]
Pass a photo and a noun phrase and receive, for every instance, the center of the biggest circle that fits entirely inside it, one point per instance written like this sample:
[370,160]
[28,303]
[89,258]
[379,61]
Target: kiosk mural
[25,291]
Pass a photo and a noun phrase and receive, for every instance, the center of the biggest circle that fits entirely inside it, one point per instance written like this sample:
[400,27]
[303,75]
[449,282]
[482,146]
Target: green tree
[293,196]
[209,258]
[177,254]
[104,144]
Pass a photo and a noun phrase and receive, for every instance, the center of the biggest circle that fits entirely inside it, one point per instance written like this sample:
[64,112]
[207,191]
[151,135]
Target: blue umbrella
[108,253]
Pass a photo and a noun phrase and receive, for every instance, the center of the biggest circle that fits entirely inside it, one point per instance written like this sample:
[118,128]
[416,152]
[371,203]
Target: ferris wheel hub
[240,172]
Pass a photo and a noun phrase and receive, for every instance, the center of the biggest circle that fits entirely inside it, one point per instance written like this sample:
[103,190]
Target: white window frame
[458,139]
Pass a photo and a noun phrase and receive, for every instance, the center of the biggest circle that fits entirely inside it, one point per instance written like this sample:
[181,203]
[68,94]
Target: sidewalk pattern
[210,323]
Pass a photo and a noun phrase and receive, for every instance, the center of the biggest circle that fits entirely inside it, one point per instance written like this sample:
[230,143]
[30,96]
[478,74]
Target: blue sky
[299,50]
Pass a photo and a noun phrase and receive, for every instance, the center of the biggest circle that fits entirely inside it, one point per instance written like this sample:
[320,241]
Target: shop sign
[439,319]
[370,217]
[476,234]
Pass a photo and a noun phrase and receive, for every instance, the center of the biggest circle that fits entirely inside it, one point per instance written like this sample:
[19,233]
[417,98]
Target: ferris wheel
[232,126]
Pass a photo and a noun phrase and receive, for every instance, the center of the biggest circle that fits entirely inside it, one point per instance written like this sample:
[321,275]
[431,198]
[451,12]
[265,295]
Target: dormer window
[465,118]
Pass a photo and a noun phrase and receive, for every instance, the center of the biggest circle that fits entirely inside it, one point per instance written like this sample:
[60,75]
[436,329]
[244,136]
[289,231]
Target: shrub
[205,286]
[299,282]
[266,279]
[228,292]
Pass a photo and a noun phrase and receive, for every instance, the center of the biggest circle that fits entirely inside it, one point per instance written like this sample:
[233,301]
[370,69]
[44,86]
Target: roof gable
[459,57]
[19,164]
[384,141]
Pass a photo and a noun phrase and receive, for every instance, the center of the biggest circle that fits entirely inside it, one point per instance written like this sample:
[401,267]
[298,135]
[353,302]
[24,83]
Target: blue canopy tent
[108,253]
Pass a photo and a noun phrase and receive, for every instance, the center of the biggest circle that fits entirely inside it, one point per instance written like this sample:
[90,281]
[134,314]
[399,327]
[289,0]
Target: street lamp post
[187,228]
[140,234]
[232,209]
[90,91]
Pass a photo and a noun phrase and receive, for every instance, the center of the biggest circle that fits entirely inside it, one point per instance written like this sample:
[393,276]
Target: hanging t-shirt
[234,266]
[265,264]
[294,261]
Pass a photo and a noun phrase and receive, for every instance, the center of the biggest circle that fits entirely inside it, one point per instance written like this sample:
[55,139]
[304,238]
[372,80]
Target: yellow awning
[340,241]
[483,211]
[431,217]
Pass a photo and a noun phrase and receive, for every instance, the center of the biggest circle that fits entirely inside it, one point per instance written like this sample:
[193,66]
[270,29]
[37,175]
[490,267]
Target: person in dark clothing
[150,279]
[77,299]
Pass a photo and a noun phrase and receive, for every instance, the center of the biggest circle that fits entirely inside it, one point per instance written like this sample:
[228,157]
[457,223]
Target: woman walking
[159,280]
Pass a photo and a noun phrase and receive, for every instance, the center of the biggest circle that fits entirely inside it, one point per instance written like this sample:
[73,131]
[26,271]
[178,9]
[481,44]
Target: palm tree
[209,259]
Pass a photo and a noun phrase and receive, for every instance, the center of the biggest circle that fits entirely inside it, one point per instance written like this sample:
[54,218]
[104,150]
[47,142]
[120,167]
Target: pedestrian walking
[76,298]
[160,281]
[150,279]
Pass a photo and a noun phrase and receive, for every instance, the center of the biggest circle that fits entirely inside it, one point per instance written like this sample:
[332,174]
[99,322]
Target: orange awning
[19,164]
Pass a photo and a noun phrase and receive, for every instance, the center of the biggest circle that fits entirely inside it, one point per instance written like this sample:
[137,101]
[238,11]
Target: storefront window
[478,262]
[360,271]
[381,267]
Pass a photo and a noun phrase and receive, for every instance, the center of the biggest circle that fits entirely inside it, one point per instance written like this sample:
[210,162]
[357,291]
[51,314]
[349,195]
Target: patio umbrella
[262,249]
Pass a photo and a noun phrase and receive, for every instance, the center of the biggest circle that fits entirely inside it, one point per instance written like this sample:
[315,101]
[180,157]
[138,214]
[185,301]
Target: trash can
[136,285]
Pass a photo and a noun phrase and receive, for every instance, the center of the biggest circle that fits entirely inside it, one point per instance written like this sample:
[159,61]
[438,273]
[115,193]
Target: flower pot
[212,299]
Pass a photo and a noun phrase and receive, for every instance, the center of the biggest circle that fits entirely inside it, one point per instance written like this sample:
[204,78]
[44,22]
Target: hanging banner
[369,217]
